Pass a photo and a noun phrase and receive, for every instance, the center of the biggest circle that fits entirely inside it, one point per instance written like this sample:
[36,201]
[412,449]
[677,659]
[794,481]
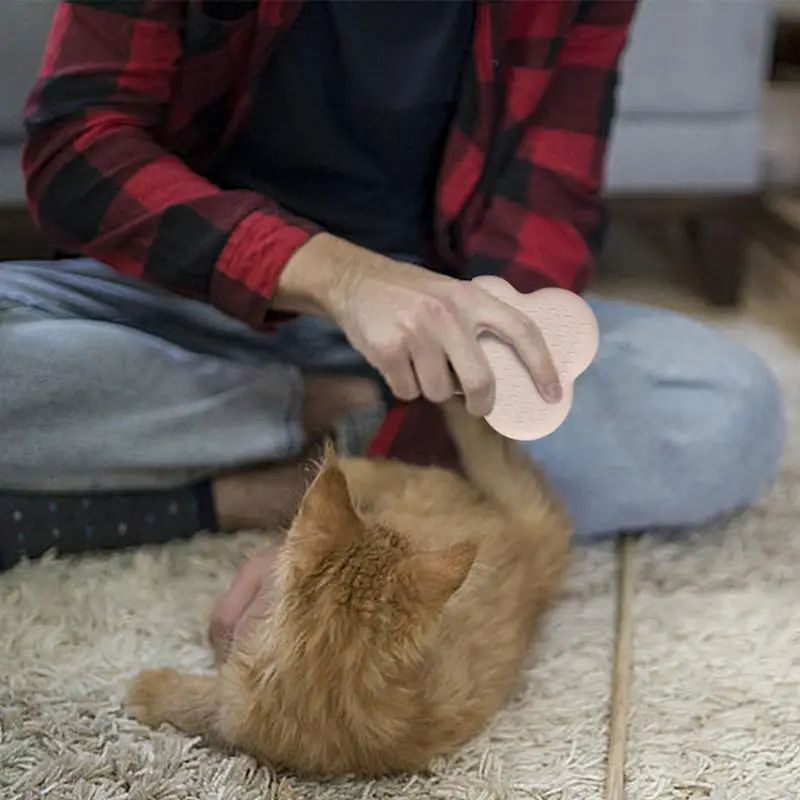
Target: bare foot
[267,497]
[328,397]
[261,498]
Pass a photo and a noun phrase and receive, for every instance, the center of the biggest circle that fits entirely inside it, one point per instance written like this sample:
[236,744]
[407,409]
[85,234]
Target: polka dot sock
[32,523]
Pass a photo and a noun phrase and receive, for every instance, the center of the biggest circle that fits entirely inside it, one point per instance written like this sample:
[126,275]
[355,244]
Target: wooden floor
[652,266]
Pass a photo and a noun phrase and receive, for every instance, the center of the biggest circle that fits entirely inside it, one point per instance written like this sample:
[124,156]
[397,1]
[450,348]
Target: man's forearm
[307,279]
[321,274]
[108,185]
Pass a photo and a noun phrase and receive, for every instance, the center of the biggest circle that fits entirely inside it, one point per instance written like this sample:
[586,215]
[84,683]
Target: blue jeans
[113,384]
[672,425]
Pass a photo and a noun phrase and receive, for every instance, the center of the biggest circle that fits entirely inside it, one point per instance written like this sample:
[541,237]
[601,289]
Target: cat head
[344,571]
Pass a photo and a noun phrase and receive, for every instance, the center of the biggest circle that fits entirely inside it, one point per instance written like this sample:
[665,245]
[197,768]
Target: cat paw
[144,700]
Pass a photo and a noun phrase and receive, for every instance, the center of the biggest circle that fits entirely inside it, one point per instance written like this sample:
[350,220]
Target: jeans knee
[674,424]
[760,418]
[738,437]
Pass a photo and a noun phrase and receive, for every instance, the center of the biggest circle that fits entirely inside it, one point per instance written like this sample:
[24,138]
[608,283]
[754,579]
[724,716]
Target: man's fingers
[473,373]
[399,376]
[432,371]
[476,379]
[524,336]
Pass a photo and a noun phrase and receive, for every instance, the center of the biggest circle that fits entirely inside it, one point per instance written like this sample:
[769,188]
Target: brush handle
[570,330]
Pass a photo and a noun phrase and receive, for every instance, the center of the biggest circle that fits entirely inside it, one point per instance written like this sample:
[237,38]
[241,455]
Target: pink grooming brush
[569,328]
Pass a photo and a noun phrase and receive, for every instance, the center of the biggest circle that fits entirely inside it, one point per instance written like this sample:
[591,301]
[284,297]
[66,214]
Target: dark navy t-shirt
[351,114]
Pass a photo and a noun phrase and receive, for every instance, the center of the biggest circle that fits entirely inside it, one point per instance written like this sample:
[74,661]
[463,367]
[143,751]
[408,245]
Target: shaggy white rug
[716,691]
[715,712]
[72,632]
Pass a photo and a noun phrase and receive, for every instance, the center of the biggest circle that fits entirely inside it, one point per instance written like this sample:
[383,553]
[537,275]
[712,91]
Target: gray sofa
[687,142]
[690,98]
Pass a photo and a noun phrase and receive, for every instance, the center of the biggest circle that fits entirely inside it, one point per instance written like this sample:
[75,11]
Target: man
[277,204]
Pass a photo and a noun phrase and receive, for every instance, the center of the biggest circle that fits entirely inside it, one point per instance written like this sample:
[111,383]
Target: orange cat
[404,602]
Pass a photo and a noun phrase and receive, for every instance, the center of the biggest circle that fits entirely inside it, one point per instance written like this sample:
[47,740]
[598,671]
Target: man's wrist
[303,283]
[321,273]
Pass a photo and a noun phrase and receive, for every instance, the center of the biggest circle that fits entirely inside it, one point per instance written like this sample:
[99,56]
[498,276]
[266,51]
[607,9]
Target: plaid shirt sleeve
[545,219]
[99,182]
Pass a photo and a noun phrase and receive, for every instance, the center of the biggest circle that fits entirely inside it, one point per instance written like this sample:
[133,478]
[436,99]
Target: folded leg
[189,703]
[673,424]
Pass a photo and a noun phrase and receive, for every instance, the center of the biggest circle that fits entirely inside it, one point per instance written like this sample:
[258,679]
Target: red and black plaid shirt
[135,97]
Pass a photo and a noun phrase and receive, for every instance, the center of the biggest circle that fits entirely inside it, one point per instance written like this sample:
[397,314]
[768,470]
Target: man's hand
[245,602]
[418,329]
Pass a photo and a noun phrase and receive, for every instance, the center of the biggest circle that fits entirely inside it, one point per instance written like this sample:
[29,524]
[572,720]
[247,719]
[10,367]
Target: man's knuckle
[406,391]
[439,393]
[465,291]
[433,309]
[479,384]
[391,353]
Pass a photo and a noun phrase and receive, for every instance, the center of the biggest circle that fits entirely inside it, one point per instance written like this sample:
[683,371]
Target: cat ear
[327,511]
[438,574]
[329,457]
